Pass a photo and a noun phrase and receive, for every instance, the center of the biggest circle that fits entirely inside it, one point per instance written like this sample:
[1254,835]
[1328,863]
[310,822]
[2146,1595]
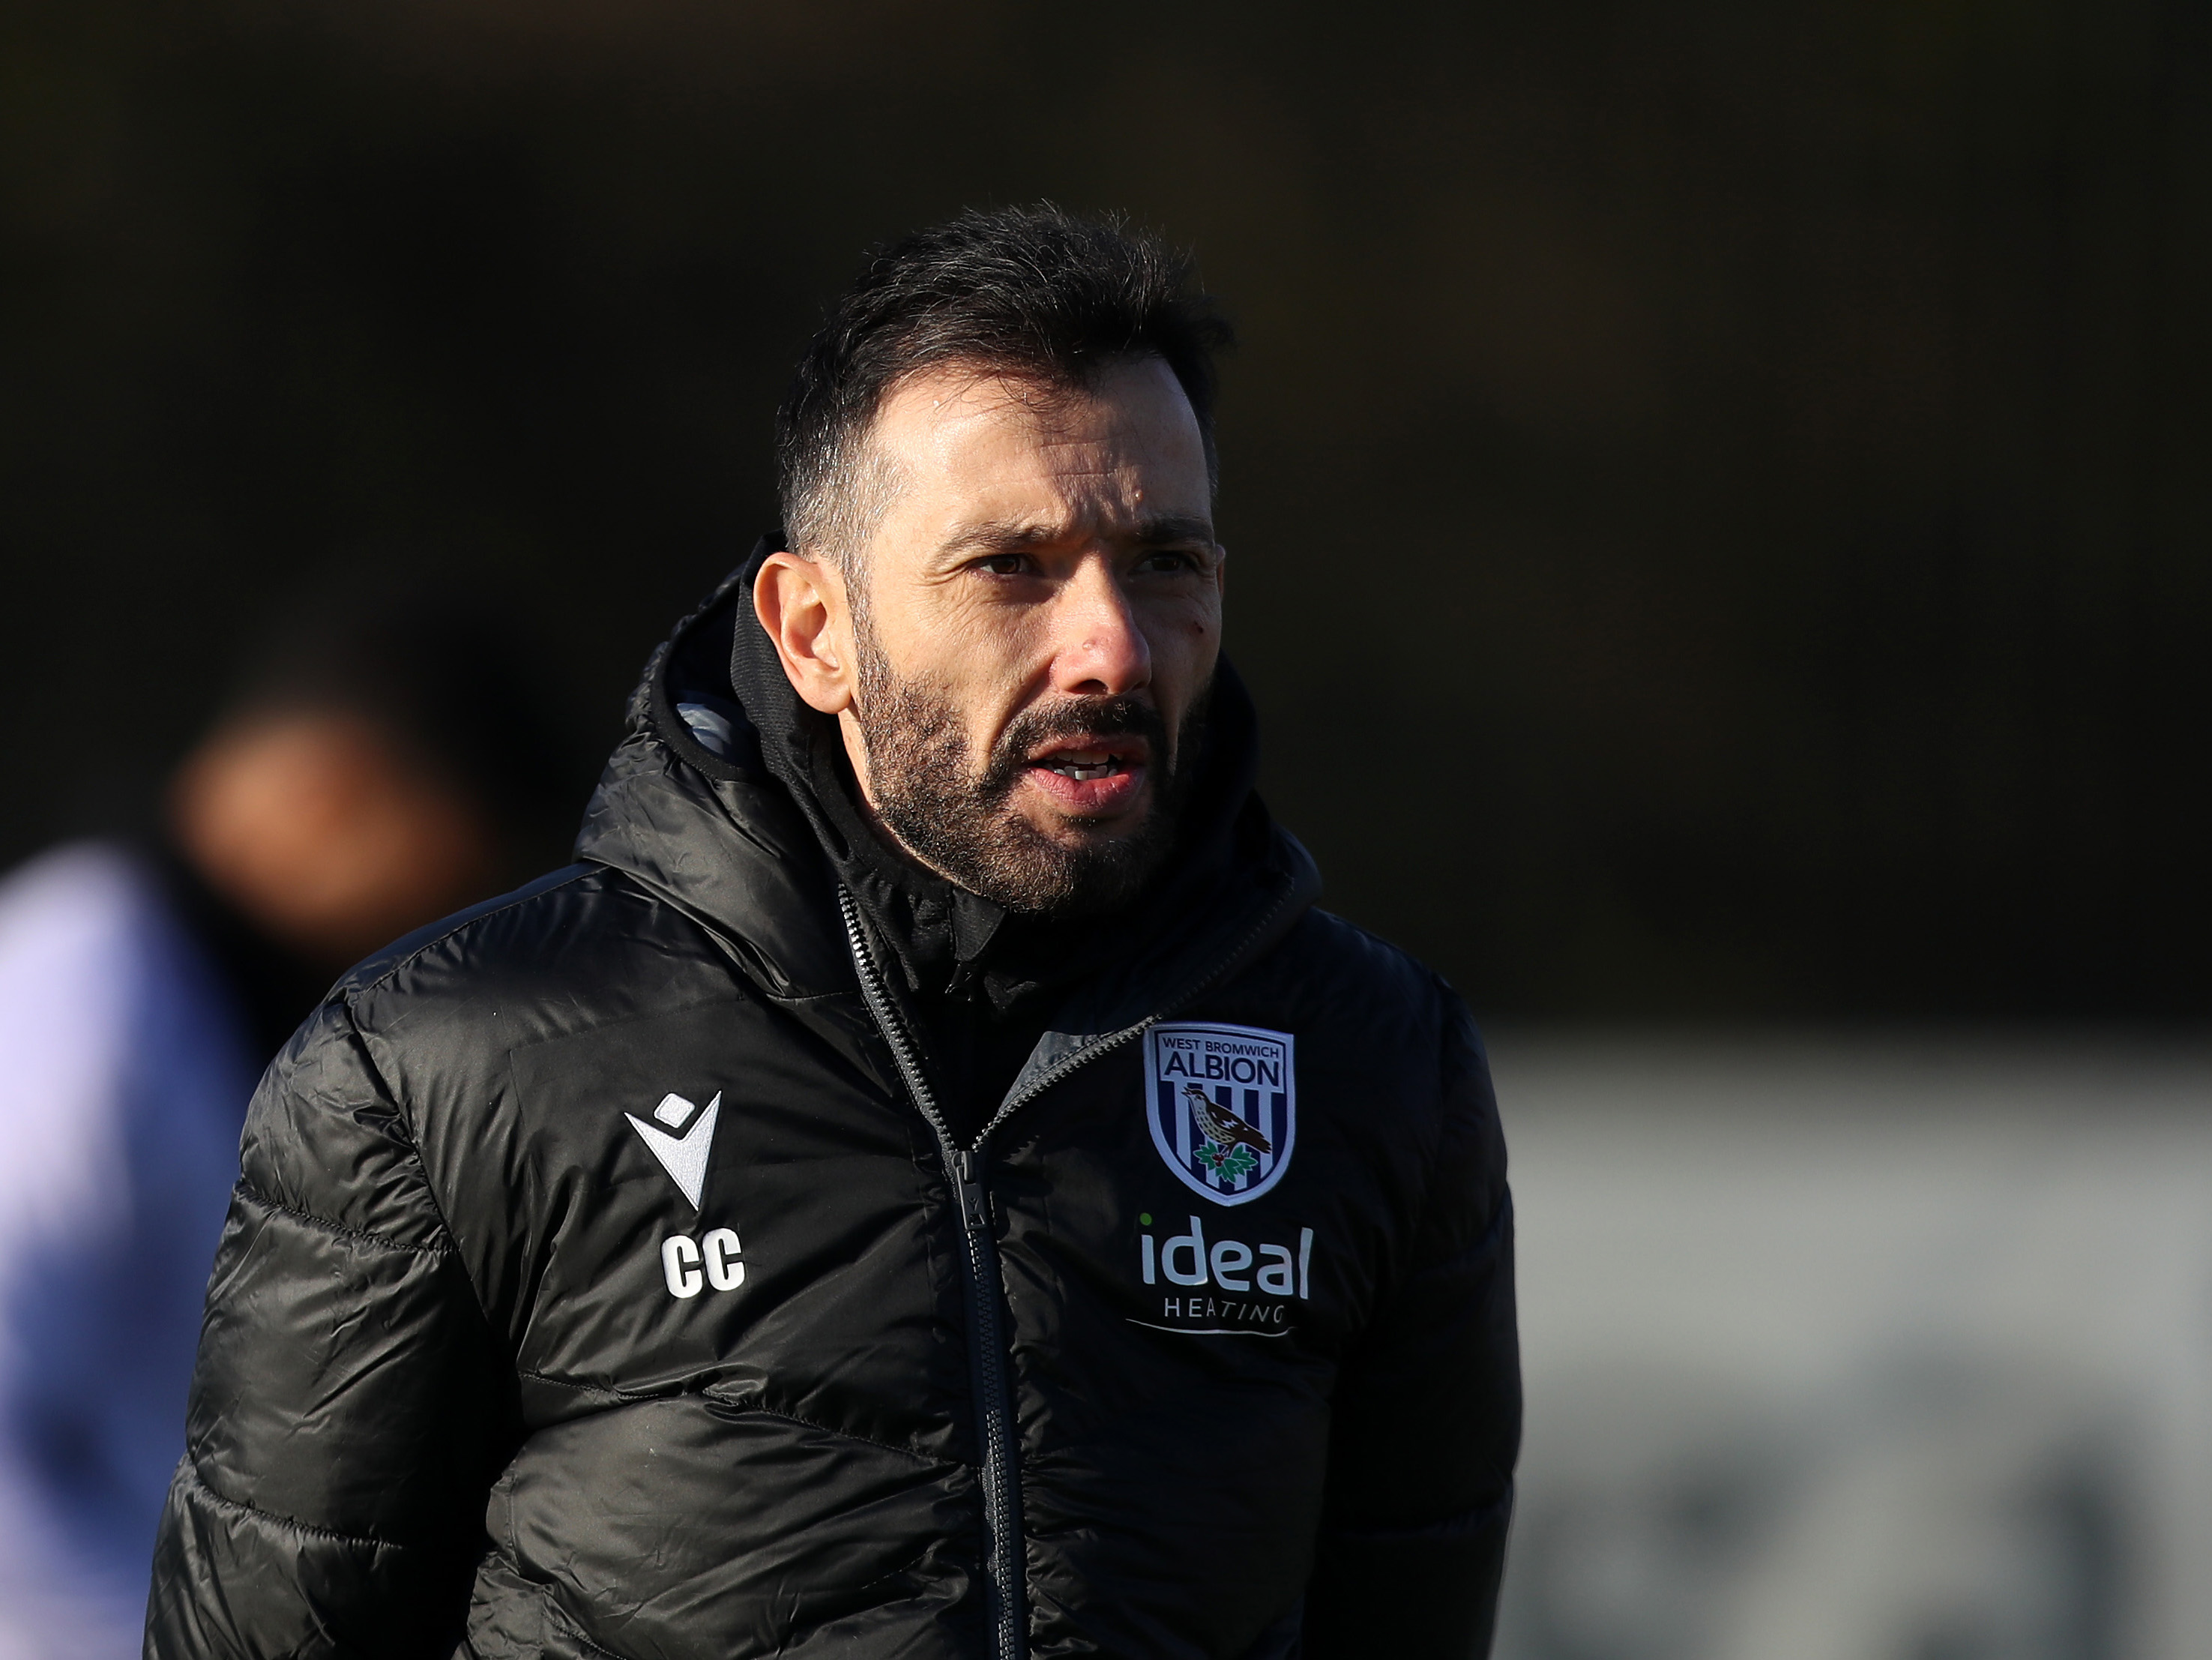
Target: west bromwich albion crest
[1222,1102]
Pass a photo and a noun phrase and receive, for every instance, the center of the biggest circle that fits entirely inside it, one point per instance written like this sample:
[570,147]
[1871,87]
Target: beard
[960,820]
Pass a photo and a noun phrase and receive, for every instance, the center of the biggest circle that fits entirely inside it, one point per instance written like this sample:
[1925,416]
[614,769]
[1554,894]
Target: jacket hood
[717,837]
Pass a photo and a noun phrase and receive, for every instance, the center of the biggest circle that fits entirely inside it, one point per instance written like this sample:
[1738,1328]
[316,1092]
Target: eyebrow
[1015,536]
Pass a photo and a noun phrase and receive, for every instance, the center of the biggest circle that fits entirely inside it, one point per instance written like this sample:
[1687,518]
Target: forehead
[966,447]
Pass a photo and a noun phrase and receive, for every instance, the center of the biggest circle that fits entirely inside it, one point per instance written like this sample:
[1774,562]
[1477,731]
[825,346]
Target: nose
[1100,650]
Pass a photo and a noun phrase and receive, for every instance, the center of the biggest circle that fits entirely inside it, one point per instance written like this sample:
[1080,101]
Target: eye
[1168,561]
[1003,564]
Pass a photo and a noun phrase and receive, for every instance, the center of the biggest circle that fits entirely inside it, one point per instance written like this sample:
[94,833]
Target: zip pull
[974,1201]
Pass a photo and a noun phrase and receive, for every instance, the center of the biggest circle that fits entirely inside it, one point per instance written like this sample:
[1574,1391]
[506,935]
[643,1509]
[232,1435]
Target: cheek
[952,649]
[984,668]
[989,658]
[1190,636]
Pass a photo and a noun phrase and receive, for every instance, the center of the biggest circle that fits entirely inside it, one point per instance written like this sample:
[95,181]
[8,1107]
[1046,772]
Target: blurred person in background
[382,768]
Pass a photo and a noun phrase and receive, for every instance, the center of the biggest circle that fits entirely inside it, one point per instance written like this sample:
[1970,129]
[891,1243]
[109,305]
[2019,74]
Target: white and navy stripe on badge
[1247,1072]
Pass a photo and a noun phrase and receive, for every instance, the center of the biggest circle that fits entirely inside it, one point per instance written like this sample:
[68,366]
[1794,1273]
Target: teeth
[1085,771]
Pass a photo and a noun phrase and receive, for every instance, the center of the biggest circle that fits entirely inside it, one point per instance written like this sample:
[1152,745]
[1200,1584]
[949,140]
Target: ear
[802,605]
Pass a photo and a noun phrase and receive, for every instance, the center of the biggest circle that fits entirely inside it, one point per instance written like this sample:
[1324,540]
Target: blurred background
[1721,500]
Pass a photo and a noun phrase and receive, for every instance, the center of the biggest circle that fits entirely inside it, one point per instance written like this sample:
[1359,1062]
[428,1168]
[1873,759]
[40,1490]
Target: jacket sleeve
[339,1444]
[1427,1414]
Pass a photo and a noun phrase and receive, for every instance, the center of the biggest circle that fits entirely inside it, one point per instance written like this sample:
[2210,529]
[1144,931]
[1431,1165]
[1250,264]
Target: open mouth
[1090,776]
[1084,765]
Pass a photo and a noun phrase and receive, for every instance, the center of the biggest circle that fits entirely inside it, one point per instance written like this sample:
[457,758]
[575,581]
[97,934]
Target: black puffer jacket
[599,1281]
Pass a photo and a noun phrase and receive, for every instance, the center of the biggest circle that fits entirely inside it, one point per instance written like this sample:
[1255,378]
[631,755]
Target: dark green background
[1718,489]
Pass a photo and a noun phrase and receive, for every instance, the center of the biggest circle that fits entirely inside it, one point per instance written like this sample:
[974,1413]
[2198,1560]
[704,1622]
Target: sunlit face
[1039,618]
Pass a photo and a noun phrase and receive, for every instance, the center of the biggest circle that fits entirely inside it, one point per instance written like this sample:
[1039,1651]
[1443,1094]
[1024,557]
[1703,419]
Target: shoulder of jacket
[1355,960]
[506,919]
[584,946]
[587,923]
[1395,1008]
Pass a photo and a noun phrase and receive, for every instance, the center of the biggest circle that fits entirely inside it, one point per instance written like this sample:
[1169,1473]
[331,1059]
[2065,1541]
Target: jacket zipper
[986,1284]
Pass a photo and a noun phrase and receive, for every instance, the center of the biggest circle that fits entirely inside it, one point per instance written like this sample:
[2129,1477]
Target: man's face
[1032,630]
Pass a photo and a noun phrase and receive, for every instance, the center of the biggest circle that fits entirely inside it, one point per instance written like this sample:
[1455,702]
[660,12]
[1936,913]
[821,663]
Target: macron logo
[685,1156]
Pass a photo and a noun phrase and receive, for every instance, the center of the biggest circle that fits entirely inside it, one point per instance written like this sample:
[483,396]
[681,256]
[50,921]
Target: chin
[1078,834]
[1056,823]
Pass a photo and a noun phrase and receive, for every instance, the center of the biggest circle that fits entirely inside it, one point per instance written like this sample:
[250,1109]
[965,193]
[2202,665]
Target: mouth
[1088,776]
[1084,764]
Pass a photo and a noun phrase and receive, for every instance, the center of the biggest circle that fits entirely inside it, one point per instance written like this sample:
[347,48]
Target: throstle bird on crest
[1223,1127]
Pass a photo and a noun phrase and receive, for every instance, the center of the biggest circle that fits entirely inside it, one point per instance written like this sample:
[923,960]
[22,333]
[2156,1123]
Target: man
[143,983]
[792,1229]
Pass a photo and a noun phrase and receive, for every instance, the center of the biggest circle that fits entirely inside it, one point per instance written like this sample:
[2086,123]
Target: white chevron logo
[683,1157]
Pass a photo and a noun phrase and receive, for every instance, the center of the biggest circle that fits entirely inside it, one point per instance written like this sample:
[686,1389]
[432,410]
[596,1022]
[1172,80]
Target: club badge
[1222,1102]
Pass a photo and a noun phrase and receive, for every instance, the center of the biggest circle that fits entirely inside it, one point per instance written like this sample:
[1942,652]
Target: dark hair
[1035,292]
